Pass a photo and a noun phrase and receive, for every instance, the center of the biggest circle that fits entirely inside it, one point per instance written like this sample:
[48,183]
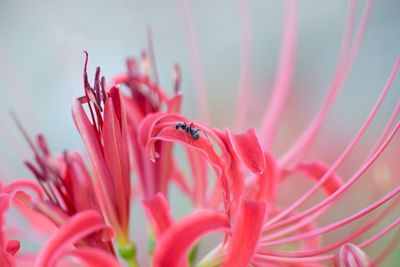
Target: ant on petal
[189,129]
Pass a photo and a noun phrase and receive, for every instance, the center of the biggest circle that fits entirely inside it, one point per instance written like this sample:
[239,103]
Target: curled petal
[146,129]
[22,185]
[249,151]
[169,252]
[155,124]
[245,234]
[17,192]
[5,255]
[315,170]
[14,191]
[39,221]
[76,228]
[158,211]
[268,181]
[162,127]
[350,255]
[170,134]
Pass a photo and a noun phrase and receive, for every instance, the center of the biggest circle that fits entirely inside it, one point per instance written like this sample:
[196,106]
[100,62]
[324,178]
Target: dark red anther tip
[86,60]
[41,140]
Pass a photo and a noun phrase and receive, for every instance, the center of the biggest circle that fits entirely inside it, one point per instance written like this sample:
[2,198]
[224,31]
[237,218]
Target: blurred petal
[94,257]
[6,258]
[199,171]
[75,229]
[249,151]
[13,246]
[169,252]
[315,170]
[148,124]
[158,211]
[245,234]
[268,181]
[175,104]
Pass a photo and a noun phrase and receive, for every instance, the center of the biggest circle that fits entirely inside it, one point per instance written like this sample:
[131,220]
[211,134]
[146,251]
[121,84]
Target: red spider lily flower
[107,144]
[163,127]
[137,130]
[68,192]
[228,154]
[66,183]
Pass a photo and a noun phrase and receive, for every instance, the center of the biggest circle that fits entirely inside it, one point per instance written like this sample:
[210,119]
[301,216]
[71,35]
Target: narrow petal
[315,170]
[248,149]
[148,124]
[117,159]
[76,228]
[104,187]
[158,212]
[94,257]
[246,233]
[199,170]
[90,140]
[268,181]
[79,183]
[169,252]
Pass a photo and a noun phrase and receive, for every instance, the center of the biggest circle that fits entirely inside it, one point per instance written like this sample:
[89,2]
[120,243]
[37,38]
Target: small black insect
[188,129]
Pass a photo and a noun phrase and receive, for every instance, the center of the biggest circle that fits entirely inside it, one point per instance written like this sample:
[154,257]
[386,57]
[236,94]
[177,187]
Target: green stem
[127,251]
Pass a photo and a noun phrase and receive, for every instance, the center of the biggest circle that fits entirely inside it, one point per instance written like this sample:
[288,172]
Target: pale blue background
[41,59]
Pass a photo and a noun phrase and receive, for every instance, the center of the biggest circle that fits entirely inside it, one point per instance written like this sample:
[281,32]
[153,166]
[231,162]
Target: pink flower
[133,133]
[106,139]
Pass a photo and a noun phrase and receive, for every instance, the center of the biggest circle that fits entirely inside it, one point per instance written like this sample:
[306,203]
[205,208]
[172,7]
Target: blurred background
[41,63]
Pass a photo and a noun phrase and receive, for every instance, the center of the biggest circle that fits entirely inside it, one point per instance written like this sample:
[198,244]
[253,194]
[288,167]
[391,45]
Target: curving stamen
[348,53]
[284,76]
[342,156]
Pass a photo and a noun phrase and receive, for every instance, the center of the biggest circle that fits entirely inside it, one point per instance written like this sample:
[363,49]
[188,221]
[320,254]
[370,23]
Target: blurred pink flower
[135,131]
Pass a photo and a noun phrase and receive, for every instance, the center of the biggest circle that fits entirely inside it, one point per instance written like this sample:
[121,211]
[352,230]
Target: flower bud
[350,255]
